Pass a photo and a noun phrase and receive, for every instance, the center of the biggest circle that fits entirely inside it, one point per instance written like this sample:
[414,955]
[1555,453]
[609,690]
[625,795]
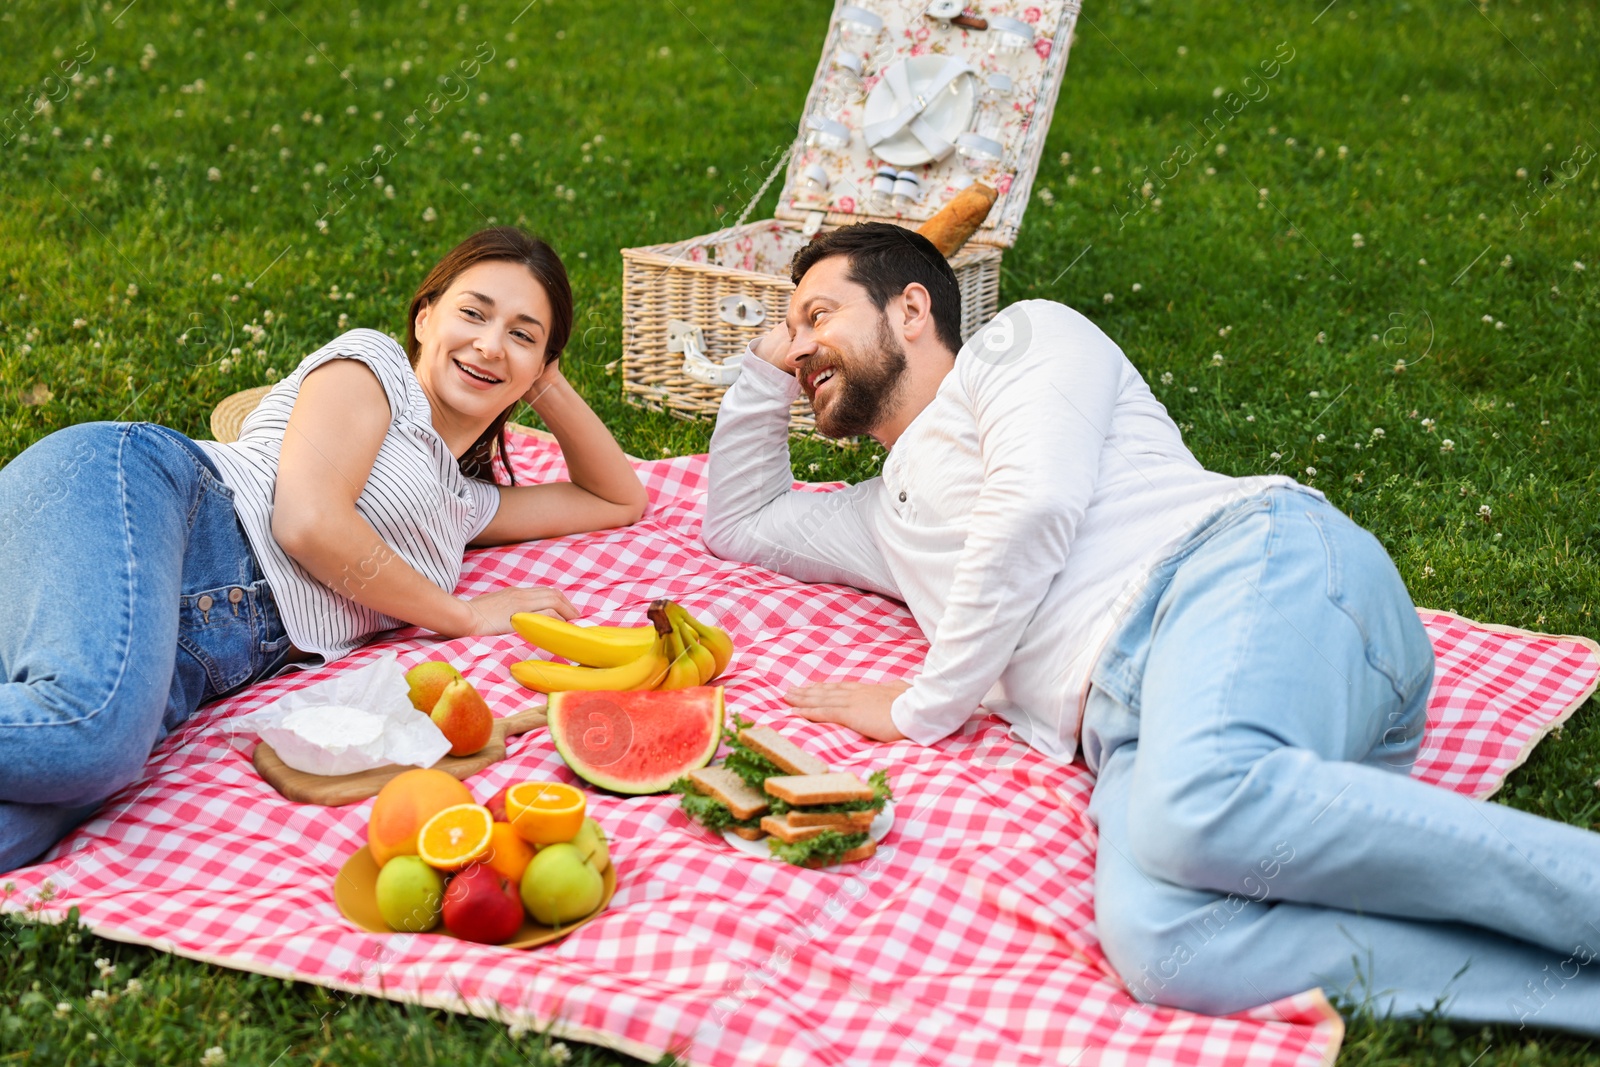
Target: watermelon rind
[658,751]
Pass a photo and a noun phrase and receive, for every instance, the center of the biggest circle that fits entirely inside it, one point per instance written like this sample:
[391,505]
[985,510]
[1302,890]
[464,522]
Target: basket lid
[913,100]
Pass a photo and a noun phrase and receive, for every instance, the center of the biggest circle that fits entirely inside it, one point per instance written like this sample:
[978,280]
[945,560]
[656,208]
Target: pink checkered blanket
[969,938]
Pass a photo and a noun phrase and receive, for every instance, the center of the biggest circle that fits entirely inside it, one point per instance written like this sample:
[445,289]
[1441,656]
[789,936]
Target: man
[1241,663]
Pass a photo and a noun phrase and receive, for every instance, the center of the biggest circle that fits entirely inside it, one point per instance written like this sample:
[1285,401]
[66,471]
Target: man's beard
[866,381]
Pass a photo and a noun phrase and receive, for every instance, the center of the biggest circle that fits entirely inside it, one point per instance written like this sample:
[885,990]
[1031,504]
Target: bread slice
[779,827]
[765,741]
[860,852]
[846,822]
[725,786]
[749,833]
[836,788]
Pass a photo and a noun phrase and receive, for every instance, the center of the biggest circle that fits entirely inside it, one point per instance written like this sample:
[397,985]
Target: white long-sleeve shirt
[1017,516]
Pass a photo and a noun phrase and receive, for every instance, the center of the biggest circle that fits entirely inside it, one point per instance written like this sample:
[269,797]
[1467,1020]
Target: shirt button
[902,496]
[204,603]
[235,595]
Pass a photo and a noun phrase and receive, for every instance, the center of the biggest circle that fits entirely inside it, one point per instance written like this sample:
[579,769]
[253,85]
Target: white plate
[949,113]
[877,831]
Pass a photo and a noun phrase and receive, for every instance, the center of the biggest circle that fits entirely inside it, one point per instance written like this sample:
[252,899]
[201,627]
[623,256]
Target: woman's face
[481,345]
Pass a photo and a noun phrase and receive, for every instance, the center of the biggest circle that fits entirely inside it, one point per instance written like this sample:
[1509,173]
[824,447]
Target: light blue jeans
[1252,726]
[129,596]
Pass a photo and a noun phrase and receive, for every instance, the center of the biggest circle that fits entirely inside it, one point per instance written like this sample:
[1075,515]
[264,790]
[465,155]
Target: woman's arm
[603,492]
[338,422]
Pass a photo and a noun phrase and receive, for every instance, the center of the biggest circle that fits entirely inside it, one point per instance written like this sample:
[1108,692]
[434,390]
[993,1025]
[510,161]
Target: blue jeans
[1252,727]
[129,596]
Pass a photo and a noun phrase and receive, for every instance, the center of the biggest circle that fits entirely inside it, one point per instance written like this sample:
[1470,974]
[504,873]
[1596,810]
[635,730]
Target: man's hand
[859,705]
[773,346]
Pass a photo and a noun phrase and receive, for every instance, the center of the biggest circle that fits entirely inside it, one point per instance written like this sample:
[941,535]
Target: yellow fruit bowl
[355,892]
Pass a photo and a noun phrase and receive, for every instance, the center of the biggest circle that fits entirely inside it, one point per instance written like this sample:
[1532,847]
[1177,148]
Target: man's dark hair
[884,259]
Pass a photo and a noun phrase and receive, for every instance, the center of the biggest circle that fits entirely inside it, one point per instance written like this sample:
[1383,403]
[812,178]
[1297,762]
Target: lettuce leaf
[708,811]
[878,780]
[825,848]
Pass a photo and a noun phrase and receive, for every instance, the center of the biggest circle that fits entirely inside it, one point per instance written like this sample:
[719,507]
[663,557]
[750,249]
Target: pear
[463,718]
[427,681]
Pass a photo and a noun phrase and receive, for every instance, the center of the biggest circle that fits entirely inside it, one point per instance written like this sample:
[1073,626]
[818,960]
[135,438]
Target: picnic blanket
[969,938]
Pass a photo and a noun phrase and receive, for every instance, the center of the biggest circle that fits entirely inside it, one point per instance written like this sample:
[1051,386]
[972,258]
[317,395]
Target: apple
[426,682]
[559,887]
[590,841]
[463,718]
[410,894]
[497,805]
[482,905]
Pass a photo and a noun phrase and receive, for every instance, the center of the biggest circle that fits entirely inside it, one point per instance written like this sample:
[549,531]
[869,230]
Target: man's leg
[1285,683]
[1219,952]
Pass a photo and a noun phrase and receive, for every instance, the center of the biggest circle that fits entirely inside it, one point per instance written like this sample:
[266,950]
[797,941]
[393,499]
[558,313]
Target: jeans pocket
[216,627]
[1364,584]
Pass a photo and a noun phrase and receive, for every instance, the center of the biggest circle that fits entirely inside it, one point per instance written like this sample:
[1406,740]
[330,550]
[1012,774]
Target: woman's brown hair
[510,245]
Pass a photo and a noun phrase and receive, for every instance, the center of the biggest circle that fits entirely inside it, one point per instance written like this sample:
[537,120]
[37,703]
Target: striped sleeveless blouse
[416,497]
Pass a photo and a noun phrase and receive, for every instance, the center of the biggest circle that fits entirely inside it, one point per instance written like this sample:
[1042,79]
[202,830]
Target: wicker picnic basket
[690,307]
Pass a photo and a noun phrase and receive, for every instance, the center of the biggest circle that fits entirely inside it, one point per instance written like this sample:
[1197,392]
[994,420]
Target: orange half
[456,836]
[545,813]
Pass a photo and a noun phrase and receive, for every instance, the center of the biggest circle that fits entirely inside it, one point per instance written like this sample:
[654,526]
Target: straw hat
[228,416]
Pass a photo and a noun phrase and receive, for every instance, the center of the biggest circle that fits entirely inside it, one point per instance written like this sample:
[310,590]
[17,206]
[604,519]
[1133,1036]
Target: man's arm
[1042,391]
[753,514]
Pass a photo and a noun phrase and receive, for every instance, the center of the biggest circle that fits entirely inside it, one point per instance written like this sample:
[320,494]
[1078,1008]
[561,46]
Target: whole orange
[508,853]
[405,802]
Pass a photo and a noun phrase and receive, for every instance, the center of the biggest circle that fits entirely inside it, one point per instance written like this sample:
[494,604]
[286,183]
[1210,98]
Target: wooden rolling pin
[959,219]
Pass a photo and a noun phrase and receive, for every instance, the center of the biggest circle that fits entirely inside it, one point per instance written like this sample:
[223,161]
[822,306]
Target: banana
[645,672]
[705,663]
[592,646]
[714,639]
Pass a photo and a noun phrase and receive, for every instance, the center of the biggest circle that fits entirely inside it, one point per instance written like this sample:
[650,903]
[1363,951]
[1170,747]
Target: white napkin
[366,720]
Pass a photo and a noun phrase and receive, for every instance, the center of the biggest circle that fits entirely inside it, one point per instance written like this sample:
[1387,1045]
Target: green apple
[590,840]
[559,887]
[410,894]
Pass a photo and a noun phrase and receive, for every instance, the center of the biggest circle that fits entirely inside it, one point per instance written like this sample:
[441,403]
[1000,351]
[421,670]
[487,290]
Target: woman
[143,574]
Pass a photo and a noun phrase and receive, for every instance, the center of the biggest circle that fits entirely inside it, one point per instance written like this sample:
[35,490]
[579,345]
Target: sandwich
[770,787]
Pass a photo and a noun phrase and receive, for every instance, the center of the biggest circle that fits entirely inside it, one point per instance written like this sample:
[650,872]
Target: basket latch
[690,339]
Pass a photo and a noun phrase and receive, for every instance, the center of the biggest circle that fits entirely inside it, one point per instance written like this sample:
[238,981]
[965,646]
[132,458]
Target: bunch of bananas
[674,652]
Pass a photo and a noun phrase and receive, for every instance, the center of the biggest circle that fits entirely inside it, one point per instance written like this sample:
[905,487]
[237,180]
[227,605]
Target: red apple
[497,805]
[480,905]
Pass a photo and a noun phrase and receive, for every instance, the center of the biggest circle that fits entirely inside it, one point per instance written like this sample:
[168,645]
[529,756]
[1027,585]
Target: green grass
[1406,123]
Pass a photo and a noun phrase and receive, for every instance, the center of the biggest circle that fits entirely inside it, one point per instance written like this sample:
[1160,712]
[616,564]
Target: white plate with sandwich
[774,800]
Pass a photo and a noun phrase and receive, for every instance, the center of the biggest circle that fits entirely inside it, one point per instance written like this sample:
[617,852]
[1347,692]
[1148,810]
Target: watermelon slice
[636,742]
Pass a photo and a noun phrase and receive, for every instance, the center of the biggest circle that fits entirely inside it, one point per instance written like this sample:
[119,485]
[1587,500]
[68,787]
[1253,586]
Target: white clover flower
[560,1053]
[1447,445]
[97,994]
[213,175]
[103,965]
[1108,298]
[1577,265]
[1487,318]
[1499,325]
[225,365]
[814,467]
[78,324]
[1399,366]
[1065,159]
[1357,241]
[95,175]
[711,172]
[213,1057]
[1223,331]
[1322,337]
[1216,92]
[1377,433]
[388,192]
[428,214]
[1262,193]
[1136,287]
[1428,424]
[1311,472]
[1194,388]
[1506,262]
[1216,359]
[1249,418]
[1166,378]
[1222,149]
[132,290]
[1484,512]
[1276,455]
[63,1009]
[1321,437]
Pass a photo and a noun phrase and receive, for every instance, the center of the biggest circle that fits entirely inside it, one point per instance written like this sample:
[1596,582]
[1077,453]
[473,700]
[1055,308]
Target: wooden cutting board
[337,789]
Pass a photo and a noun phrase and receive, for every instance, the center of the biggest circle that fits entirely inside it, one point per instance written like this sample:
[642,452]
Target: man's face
[843,350]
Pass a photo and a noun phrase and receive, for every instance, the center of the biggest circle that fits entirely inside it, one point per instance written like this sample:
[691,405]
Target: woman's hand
[491,613]
[859,705]
[549,378]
